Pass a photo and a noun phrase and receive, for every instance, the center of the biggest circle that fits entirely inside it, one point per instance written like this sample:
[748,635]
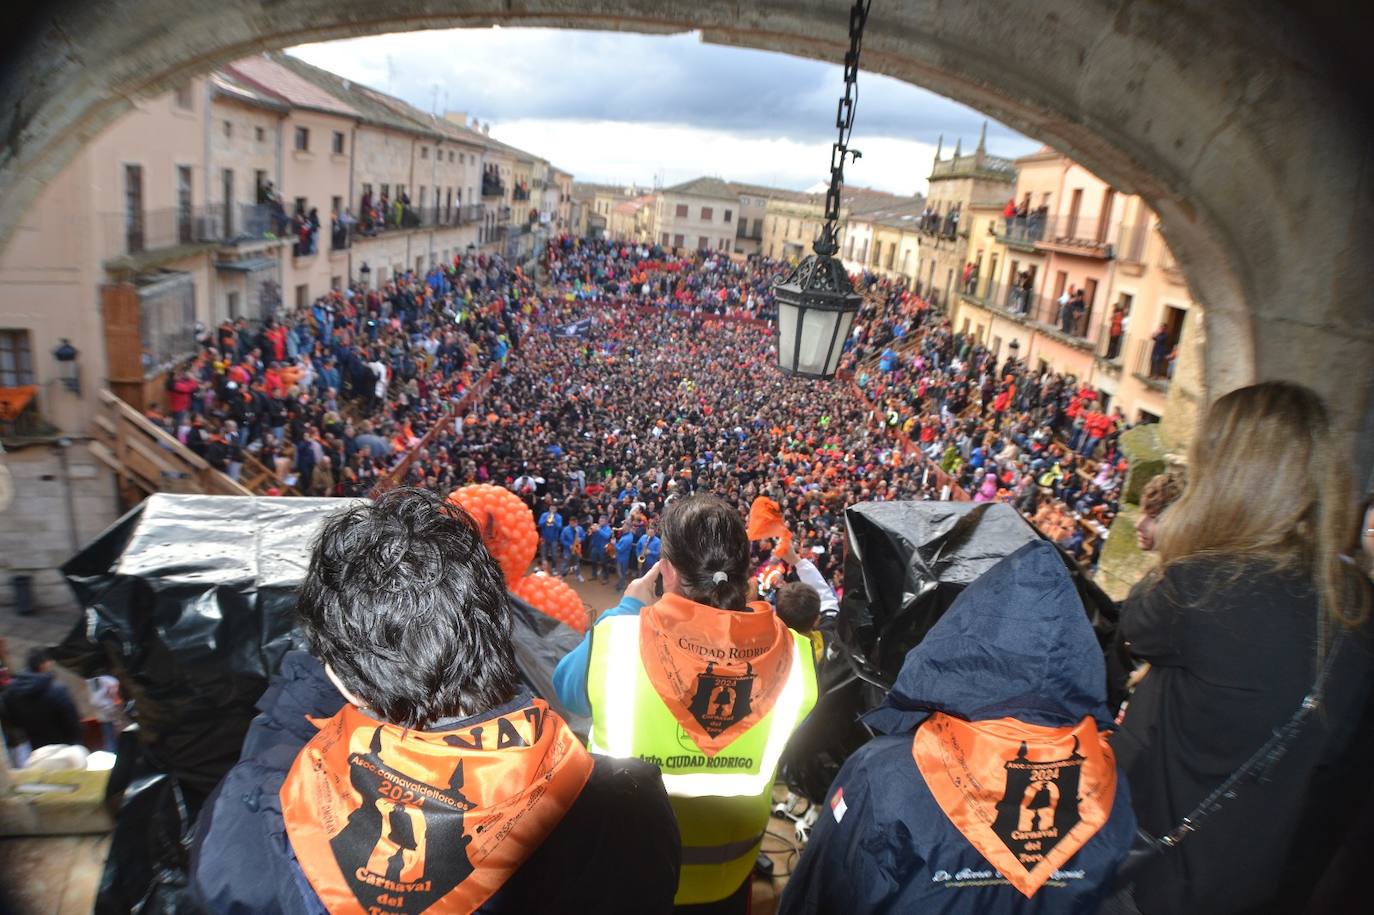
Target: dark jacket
[42,708]
[1016,644]
[1232,657]
[616,849]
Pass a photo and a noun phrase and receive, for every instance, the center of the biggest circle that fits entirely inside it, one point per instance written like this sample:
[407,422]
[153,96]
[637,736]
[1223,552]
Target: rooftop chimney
[486,128]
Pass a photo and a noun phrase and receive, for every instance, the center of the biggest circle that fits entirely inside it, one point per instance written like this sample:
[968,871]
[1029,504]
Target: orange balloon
[552,597]
[506,523]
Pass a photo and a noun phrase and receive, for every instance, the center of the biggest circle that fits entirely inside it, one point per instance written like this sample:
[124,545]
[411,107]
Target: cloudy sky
[619,107]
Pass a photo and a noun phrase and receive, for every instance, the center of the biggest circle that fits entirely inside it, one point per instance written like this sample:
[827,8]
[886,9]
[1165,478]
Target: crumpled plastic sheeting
[905,565]
[190,601]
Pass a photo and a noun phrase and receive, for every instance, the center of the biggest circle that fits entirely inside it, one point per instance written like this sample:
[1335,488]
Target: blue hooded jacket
[1015,644]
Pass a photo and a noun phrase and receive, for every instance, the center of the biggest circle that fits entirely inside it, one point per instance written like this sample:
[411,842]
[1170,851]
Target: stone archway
[1233,120]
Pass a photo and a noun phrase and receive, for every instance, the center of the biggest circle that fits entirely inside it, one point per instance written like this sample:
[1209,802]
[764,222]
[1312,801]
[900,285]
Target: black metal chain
[828,243]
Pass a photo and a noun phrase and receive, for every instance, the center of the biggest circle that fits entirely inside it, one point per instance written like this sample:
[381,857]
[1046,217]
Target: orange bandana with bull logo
[718,671]
[385,819]
[1027,797]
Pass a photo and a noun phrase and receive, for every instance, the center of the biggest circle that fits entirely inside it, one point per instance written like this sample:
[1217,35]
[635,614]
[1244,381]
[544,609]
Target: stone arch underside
[1228,118]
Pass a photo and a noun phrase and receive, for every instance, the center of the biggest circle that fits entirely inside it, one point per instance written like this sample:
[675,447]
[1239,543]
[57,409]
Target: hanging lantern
[817,303]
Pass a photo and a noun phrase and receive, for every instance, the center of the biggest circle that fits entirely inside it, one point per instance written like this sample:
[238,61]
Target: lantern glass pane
[817,330]
[787,335]
[833,363]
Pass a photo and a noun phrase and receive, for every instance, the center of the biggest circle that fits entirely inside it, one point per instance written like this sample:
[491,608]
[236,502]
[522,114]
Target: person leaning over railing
[1249,739]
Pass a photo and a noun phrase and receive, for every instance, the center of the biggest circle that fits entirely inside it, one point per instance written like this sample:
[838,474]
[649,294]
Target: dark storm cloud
[506,74]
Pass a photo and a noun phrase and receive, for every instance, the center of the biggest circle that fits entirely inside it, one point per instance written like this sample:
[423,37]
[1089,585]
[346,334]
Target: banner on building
[14,400]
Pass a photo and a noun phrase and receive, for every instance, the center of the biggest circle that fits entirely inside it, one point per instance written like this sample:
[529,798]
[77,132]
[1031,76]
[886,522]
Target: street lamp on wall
[817,303]
[67,369]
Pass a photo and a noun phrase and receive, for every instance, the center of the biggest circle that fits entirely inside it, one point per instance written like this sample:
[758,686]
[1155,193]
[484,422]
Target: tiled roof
[704,187]
[858,200]
[372,107]
[226,85]
[267,74]
[773,193]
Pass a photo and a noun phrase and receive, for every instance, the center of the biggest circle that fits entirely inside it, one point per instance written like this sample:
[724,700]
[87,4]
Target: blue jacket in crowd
[650,548]
[624,548]
[569,536]
[550,526]
[1015,645]
[596,542]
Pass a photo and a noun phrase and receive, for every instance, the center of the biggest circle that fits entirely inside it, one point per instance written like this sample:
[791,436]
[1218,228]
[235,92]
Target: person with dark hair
[402,765]
[809,605]
[38,704]
[705,685]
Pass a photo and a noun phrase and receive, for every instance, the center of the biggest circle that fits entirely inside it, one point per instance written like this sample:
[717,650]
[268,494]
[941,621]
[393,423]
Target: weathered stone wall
[35,533]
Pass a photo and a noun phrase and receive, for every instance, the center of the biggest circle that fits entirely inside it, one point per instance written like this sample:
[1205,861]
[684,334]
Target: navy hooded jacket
[616,849]
[1015,644]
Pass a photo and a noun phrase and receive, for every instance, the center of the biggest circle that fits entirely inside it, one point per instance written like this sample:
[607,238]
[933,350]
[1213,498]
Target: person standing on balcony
[1079,314]
[1009,213]
[1159,352]
[1064,308]
[1115,330]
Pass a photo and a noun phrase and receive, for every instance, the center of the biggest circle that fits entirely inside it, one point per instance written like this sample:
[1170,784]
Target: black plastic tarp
[190,601]
[906,563]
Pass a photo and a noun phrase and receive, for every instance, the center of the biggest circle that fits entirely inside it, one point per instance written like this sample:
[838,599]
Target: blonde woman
[1251,602]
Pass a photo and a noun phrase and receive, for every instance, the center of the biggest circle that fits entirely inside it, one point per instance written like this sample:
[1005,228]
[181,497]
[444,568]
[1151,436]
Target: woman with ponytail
[705,685]
[1249,737]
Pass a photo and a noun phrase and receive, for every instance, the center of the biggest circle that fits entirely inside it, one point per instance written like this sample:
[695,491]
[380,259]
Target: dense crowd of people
[627,377]
[329,398]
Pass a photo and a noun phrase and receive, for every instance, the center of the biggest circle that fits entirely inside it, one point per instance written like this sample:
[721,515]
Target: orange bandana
[387,819]
[1026,797]
[765,520]
[718,671]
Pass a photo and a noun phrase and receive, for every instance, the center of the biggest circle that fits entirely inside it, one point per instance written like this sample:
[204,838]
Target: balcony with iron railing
[1130,243]
[520,192]
[1154,367]
[1077,235]
[1020,231]
[151,232]
[1109,352]
[1009,300]
[1029,307]
[492,187]
[938,225]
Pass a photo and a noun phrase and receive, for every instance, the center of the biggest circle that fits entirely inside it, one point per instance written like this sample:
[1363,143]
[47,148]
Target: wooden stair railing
[145,459]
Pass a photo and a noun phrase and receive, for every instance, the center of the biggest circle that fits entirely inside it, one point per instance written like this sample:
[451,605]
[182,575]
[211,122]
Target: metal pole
[62,445]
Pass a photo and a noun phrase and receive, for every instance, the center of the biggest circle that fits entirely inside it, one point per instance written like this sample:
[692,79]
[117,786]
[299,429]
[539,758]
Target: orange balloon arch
[552,597]
[506,523]
[509,534]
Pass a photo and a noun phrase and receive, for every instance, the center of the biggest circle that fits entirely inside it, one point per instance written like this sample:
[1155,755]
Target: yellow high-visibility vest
[722,803]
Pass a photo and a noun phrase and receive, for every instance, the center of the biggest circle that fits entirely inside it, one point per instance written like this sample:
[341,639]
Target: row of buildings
[1034,255]
[187,211]
[710,214]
